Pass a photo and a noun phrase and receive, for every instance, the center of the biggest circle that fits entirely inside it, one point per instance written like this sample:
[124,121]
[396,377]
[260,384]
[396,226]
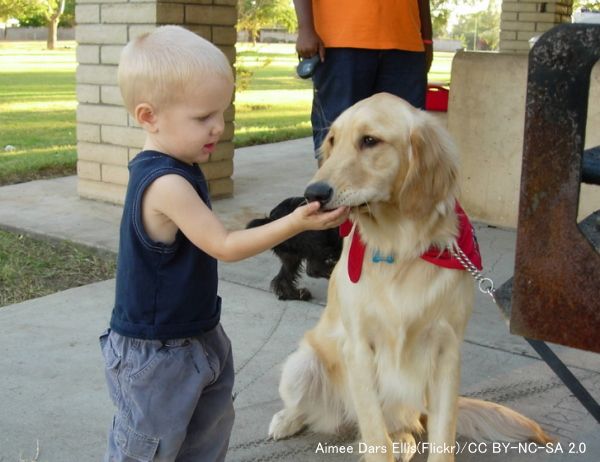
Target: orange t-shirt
[371,24]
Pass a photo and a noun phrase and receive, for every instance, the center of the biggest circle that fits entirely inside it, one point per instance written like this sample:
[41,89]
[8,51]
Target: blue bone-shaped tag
[377,258]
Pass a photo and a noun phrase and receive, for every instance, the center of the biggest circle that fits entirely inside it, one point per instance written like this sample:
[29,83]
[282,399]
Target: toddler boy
[169,365]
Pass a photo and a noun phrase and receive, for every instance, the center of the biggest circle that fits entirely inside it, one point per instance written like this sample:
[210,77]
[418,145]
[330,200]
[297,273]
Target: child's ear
[146,117]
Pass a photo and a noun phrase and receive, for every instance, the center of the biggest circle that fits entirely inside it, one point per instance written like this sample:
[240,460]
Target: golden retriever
[385,354]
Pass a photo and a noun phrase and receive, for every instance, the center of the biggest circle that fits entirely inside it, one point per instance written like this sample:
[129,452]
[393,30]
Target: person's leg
[156,386]
[402,73]
[210,427]
[346,76]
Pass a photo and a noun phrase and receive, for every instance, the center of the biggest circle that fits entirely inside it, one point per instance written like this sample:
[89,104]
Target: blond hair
[156,67]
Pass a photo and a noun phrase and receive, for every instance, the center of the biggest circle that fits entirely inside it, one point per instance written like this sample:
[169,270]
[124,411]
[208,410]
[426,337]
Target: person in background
[365,47]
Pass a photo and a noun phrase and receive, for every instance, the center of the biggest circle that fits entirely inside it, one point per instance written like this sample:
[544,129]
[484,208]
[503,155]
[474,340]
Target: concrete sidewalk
[53,389]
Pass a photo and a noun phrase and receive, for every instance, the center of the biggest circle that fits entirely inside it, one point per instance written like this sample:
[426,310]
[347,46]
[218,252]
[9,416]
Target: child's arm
[174,197]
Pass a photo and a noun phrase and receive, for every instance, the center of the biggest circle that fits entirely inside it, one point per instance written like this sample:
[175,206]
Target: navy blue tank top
[163,291]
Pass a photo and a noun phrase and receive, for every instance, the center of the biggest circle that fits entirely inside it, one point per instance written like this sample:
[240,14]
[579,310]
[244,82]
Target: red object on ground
[436,98]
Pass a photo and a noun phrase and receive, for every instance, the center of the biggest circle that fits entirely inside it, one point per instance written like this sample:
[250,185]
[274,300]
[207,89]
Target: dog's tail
[258,222]
[486,421]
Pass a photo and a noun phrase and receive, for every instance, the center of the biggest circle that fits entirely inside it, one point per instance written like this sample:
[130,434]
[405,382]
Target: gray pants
[173,398]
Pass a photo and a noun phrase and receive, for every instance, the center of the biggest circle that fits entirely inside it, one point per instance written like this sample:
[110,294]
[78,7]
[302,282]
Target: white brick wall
[88,54]
[109,54]
[103,153]
[129,13]
[87,14]
[110,94]
[524,19]
[107,136]
[89,170]
[88,132]
[115,174]
[96,74]
[88,93]
[100,114]
[126,136]
[100,34]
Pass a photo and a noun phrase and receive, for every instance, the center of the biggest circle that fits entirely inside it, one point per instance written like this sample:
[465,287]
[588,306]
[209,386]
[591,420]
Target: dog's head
[382,153]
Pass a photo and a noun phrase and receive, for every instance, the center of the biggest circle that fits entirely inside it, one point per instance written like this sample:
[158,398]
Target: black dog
[320,249]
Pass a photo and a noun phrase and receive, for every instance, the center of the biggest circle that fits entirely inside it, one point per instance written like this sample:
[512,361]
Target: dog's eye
[331,140]
[368,142]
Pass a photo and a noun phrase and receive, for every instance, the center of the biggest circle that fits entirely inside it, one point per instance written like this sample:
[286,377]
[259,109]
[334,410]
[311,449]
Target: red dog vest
[466,241]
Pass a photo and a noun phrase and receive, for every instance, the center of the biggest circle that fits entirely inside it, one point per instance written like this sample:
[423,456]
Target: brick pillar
[107,138]
[524,19]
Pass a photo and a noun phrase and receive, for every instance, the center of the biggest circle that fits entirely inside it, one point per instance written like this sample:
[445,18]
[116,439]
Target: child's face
[190,128]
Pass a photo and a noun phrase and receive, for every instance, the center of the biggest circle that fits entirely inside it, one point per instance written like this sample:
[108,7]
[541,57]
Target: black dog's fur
[320,249]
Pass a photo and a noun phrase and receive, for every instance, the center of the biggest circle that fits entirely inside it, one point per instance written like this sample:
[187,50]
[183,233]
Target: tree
[440,14]
[16,8]
[590,5]
[54,10]
[253,15]
[38,18]
[442,11]
[480,30]
[50,10]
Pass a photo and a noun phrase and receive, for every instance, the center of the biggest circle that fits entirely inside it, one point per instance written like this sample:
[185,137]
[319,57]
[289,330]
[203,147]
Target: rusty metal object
[556,293]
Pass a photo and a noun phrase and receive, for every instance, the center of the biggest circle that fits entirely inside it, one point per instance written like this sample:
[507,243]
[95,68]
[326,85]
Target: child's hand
[308,217]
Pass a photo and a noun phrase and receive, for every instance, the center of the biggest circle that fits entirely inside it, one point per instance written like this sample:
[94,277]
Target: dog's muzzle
[319,191]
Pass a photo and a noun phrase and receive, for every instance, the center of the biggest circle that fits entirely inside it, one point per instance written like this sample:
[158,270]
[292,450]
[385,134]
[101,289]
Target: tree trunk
[52,32]
[53,16]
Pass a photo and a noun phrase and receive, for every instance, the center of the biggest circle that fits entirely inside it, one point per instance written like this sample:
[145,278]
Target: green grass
[276,104]
[31,268]
[37,111]
[37,104]
[440,68]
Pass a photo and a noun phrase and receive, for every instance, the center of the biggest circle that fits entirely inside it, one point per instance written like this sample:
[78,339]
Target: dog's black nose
[319,191]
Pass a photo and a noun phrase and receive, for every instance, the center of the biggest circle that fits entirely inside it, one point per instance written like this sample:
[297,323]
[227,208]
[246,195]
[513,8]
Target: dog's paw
[405,446]
[285,424]
[304,294]
[301,294]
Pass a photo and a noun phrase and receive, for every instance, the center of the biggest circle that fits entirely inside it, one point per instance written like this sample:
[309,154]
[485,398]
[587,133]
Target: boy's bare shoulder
[169,191]
[171,184]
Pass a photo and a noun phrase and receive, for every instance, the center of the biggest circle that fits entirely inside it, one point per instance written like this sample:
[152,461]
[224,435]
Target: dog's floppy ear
[433,163]
[325,149]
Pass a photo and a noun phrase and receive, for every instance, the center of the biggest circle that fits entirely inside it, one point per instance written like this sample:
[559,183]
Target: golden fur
[386,351]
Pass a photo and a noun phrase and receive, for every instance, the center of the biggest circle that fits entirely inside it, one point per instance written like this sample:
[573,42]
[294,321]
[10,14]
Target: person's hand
[309,44]
[308,217]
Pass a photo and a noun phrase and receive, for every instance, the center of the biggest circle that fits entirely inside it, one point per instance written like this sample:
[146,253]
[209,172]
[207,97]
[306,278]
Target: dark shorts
[349,75]
[173,398]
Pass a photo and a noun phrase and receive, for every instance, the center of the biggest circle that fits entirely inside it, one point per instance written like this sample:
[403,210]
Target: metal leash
[486,285]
